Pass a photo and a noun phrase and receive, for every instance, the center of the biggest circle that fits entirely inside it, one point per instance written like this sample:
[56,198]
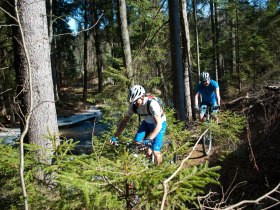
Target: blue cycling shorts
[204,107]
[146,128]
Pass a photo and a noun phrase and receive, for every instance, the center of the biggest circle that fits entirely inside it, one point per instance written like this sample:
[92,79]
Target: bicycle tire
[168,152]
[207,143]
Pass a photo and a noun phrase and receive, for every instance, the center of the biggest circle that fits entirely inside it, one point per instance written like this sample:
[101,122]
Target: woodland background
[46,70]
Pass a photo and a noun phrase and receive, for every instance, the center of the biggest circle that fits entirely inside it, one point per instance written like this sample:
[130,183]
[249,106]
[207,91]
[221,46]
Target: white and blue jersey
[148,124]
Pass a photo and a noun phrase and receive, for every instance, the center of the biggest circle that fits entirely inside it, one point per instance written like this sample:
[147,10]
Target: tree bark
[213,35]
[32,53]
[176,60]
[125,40]
[217,49]
[196,38]
[97,42]
[52,49]
[186,57]
[85,90]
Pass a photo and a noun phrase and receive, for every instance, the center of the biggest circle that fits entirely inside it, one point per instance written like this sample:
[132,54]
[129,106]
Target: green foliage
[226,134]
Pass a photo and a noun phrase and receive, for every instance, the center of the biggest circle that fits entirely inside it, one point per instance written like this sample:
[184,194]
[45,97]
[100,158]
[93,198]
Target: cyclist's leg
[214,113]
[202,113]
[142,131]
[157,142]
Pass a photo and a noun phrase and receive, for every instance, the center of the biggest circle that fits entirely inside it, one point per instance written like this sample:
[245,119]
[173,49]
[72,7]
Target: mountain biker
[209,92]
[152,128]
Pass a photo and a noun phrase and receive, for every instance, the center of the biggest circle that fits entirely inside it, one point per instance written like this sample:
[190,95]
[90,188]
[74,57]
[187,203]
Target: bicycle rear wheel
[168,152]
[207,143]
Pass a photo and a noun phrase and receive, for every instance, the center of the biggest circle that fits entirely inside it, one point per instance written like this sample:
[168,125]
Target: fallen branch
[257,201]
[165,182]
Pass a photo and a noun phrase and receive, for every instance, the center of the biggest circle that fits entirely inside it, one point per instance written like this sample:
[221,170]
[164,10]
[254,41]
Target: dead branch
[257,201]
[250,145]
[9,14]
[10,25]
[165,182]
[87,29]
[237,100]
[5,91]
[27,119]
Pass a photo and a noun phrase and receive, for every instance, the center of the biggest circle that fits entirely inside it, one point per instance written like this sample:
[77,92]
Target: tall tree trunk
[237,51]
[97,42]
[196,38]
[213,35]
[33,66]
[85,90]
[51,42]
[186,57]
[125,40]
[217,37]
[176,60]
[232,45]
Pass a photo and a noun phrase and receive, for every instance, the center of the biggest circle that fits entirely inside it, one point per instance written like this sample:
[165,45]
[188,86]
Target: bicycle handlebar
[140,145]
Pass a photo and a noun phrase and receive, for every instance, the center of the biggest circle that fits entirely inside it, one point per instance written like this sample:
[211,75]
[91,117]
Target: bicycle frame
[167,148]
[207,138]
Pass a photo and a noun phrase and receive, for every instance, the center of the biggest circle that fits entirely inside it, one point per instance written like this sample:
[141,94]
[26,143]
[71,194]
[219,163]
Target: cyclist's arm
[157,129]
[217,93]
[121,126]
[196,99]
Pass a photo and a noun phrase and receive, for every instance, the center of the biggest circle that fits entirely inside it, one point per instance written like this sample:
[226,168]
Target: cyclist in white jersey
[153,126]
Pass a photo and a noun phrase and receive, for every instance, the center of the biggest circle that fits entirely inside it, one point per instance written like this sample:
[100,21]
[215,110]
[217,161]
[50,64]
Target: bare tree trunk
[237,51]
[176,59]
[196,38]
[97,43]
[43,120]
[217,49]
[186,57]
[233,45]
[51,42]
[85,90]
[34,80]
[125,40]
[214,57]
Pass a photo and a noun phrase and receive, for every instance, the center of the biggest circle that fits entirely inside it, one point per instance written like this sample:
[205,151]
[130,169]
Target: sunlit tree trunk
[32,53]
[176,60]
[217,38]
[196,38]
[213,35]
[125,40]
[51,42]
[186,57]
[85,90]
[237,51]
[97,42]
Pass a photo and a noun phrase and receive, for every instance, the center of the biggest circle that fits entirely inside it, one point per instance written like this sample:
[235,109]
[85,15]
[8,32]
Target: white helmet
[135,92]
[204,76]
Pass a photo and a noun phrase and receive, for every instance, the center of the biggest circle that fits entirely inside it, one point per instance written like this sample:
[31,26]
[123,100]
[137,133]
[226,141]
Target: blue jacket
[208,92]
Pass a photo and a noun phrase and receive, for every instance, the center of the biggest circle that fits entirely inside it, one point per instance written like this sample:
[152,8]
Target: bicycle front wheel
[207,143]
[168,152]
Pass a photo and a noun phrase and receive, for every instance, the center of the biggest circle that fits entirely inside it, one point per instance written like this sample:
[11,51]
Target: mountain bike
[207,140]
[167,150]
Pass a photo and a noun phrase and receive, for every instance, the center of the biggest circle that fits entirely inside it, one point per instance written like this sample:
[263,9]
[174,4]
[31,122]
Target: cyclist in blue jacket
[209,92]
